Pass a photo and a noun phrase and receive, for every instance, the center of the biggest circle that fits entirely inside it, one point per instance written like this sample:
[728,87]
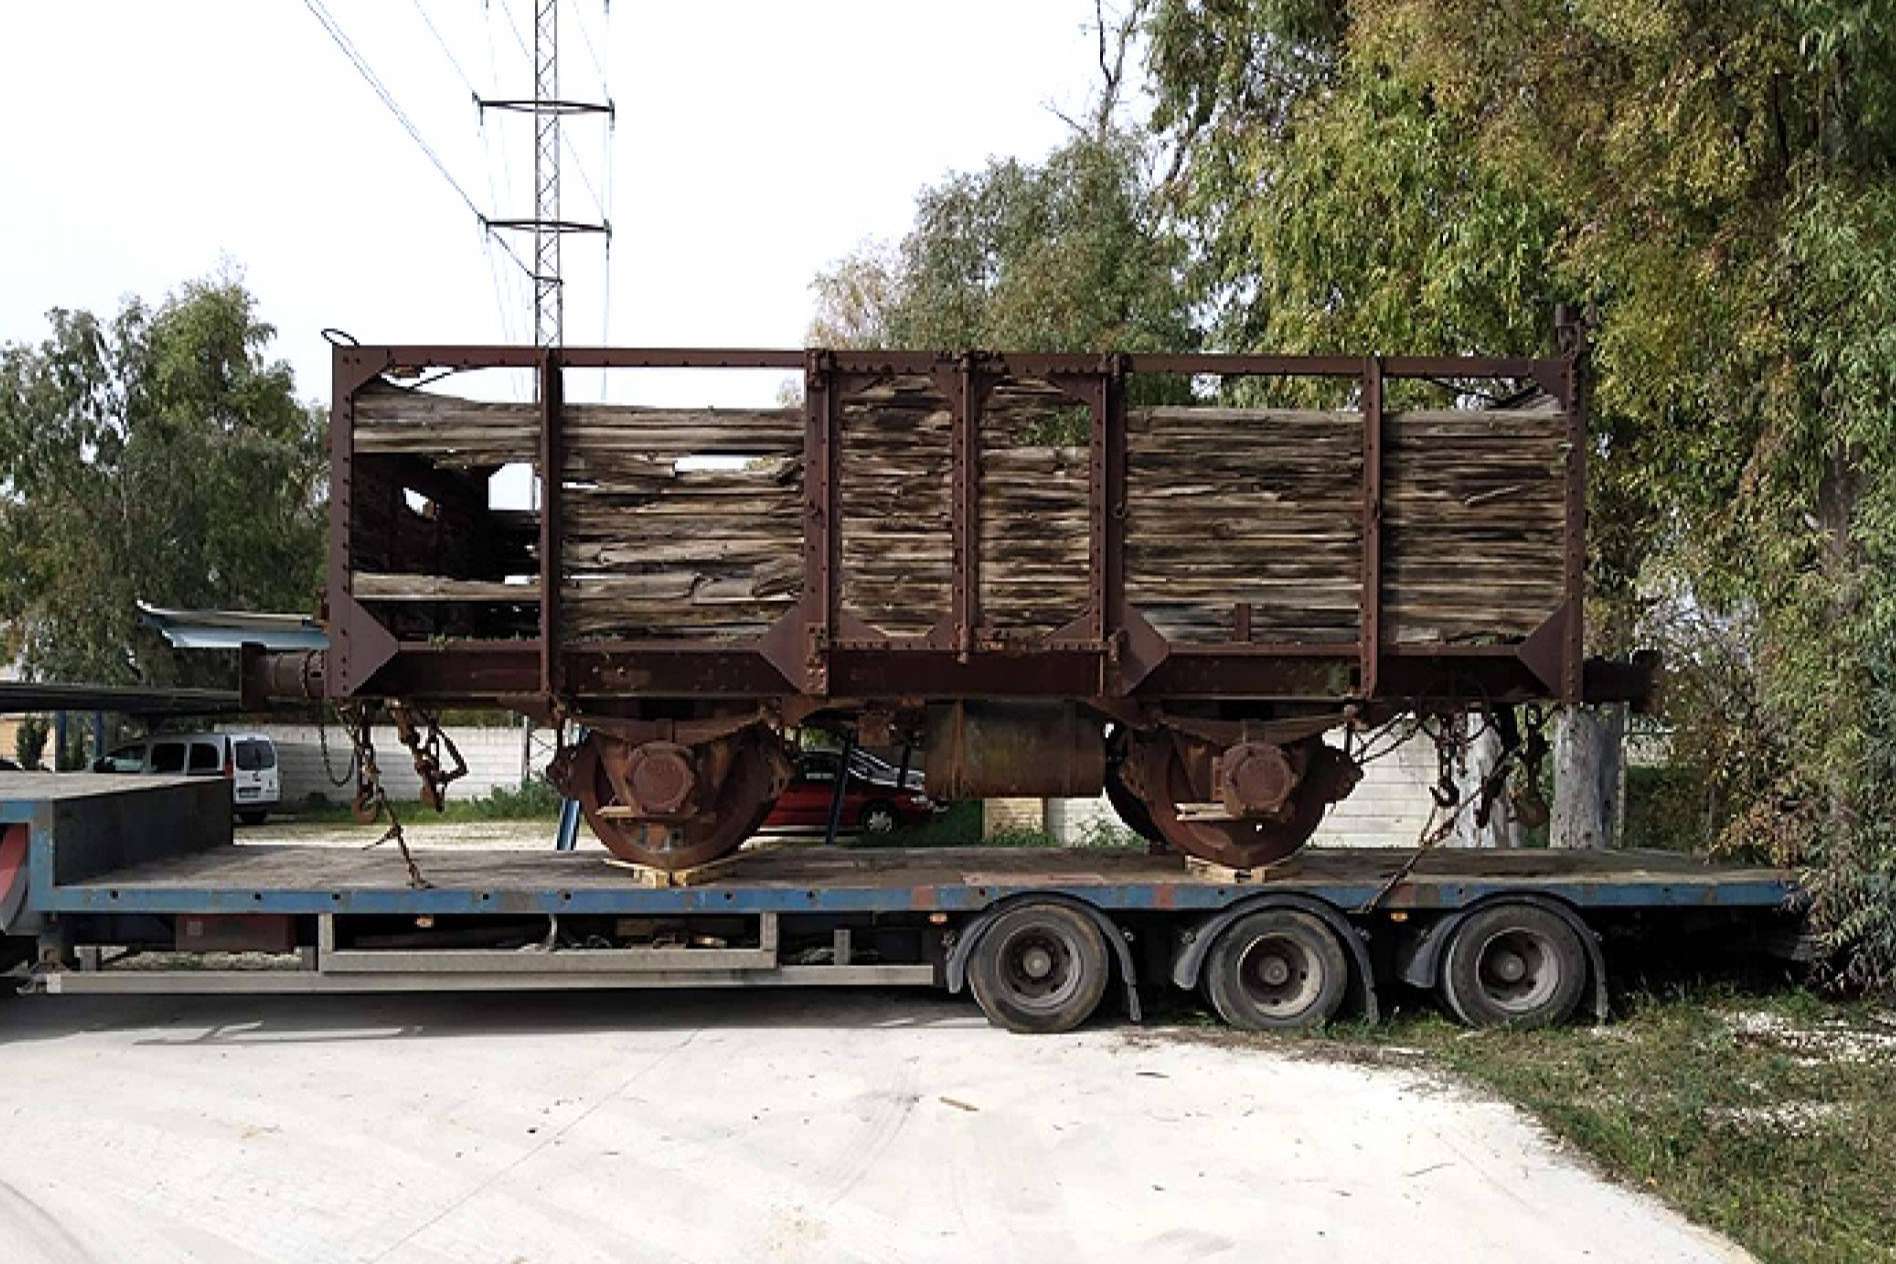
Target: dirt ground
[830,1126]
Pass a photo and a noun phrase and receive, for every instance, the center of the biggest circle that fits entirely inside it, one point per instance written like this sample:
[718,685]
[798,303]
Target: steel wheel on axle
[738,805]
[1129,807]
[1165,788]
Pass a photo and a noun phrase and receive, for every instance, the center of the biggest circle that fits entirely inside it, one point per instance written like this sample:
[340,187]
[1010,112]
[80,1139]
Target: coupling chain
[425,749]
[371,799]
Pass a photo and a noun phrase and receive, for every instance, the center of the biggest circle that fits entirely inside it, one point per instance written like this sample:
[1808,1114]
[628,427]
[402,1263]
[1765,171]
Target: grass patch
[1767,1117]
[535,801]
[960,826]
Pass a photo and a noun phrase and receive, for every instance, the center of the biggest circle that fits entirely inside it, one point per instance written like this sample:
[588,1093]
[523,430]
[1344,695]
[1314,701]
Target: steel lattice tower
[547,299]
[547,108]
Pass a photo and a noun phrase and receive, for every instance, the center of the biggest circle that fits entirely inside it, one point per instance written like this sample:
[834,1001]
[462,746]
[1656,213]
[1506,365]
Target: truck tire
[1040,967]
[1514,965]
[253,817]
[1278,969]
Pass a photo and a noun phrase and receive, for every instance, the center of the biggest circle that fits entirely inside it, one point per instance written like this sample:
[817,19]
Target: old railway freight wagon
[1211,585]
[1048,574]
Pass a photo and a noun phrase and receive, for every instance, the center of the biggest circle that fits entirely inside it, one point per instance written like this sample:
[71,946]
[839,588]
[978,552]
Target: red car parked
[876,800]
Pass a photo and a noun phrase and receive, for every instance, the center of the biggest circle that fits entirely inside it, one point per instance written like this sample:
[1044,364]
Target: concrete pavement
[715,1126]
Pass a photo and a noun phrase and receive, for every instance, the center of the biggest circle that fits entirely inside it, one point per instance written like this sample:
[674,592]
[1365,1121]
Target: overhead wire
[487,239]
[605,212]
[579,19]
[356,59]
[447,52]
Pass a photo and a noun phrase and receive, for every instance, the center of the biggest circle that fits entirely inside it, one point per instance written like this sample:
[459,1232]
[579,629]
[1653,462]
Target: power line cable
[579,19]
[493,73]
[513,25]
[447,52]
[486,238]
[605,212]
[343,42]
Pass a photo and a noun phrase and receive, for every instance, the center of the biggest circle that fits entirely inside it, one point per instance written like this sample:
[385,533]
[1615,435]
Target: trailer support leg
[567,838]
[836,795]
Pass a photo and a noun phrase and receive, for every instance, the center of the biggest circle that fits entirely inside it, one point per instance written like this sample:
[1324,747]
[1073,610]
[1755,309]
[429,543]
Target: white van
[248,759]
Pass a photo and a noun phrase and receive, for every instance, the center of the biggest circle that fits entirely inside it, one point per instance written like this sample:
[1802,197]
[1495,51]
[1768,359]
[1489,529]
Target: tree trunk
[1589,751]
[1481,756]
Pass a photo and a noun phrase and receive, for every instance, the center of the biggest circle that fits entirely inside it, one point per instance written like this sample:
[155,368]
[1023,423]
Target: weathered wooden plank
[1223,505]
[380,586]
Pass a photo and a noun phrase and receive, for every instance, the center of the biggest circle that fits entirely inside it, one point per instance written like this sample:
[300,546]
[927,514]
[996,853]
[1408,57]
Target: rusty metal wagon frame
[1209,715]
[822,650]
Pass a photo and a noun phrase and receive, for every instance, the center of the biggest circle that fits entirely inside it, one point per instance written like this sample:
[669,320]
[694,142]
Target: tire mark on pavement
[40,1229]
[895,1104]
[488,1182]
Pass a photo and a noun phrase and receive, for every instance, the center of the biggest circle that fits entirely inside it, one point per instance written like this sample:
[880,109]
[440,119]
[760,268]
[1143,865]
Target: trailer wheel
[1277,969]
[1040,967]
[1514,965]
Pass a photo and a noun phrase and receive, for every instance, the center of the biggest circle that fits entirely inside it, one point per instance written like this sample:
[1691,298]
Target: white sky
[756,143]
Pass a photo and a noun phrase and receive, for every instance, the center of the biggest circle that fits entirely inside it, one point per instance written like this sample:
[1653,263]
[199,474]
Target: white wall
[1389,808]
[492,755]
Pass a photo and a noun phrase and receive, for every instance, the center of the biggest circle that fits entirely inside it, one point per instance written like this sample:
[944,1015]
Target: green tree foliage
[29,741]
[1065,255]
[156,456]
[1713,181]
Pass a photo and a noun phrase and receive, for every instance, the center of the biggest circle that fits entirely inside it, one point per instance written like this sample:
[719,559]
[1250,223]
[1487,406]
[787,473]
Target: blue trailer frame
[103,852]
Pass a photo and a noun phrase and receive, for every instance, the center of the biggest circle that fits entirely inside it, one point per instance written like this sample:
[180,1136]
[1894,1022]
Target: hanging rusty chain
[1451,746]
[329,767]
[371,799]
[1450,750]
[1530,805]
[425,749]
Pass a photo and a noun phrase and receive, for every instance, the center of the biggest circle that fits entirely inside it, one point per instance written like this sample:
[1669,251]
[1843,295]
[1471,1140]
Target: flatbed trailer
[112,877]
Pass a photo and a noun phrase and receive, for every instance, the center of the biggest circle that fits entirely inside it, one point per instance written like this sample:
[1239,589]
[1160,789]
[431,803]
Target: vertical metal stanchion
[836,795]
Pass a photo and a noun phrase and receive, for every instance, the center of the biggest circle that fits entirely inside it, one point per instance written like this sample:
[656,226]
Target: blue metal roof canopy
[233,629]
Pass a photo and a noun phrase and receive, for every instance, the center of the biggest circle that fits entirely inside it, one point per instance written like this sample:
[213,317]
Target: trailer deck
[122,872]
[264,878]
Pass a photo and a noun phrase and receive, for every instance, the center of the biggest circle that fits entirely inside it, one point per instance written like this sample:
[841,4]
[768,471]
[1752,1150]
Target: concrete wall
[1390,806]
[1000,815]
[492,755]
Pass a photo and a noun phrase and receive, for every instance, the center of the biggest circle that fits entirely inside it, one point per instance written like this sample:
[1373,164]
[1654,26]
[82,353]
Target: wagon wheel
[735,810]
[1164,786]
[1130,809]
